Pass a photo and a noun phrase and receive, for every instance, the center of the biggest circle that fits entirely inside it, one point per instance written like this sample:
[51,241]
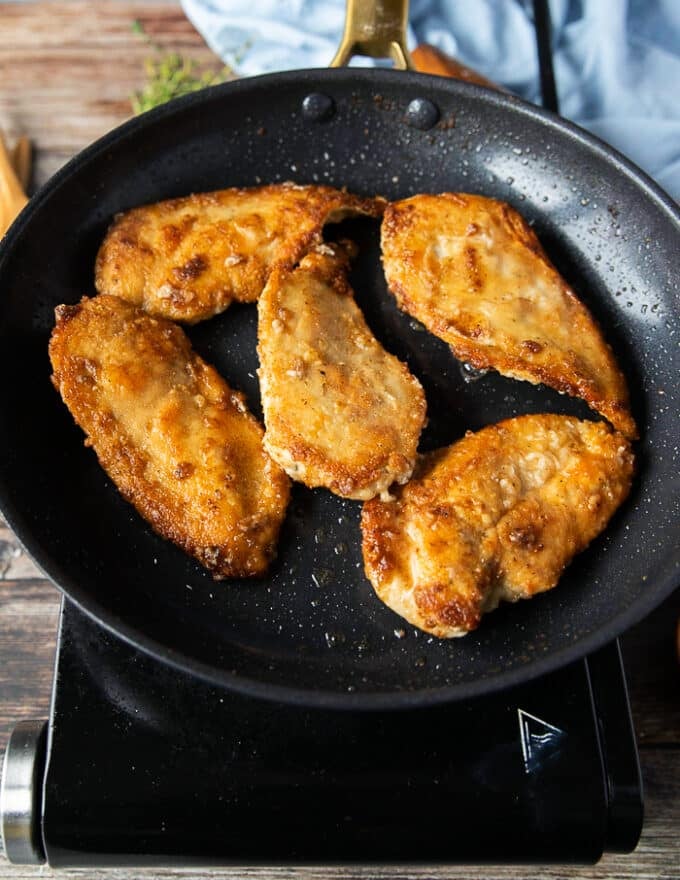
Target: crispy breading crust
[474,272]
[339,411]
[178,443]
[498,515]
[187,259]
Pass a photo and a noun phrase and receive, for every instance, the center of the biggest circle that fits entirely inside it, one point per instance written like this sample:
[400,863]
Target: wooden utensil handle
[428,59]
[12,196]
[21,157]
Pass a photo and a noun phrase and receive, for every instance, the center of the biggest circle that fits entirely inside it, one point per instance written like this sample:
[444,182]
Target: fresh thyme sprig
[169,75]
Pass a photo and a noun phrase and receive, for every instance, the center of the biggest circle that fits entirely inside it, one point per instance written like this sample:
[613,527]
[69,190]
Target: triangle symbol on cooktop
[540,740]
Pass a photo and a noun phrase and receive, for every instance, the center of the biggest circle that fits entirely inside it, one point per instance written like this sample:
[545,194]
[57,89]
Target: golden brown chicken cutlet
[339,410]
[474,273]
[187,259]
[496,516]
[177,442]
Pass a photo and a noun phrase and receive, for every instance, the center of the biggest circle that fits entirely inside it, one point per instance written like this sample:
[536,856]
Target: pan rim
[351,700]
[359,75]
[336,699]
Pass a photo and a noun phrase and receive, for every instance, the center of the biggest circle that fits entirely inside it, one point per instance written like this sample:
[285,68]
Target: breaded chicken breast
[339,411]
[178,443]
[188,258]
[498,515]
[474,273]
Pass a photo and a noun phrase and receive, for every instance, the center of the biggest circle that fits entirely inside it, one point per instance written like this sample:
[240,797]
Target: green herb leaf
[169,75]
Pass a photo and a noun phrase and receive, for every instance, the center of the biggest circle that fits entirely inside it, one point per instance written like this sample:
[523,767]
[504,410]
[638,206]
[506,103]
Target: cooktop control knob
[21,793]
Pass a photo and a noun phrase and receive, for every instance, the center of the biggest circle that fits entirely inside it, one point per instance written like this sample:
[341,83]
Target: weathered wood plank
[14,562]
[28,623]
[68,69]
[105,24]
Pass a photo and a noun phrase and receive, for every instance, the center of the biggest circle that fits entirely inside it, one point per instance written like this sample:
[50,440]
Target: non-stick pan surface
[313,631]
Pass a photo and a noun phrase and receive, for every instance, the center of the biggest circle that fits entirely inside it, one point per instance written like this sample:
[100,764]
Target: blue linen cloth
[617,62]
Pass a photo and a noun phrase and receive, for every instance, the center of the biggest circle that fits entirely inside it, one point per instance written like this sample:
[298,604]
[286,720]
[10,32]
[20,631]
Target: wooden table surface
[67,71]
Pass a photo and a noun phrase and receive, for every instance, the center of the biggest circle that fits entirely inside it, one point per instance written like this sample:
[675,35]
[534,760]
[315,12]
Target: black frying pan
[313,631]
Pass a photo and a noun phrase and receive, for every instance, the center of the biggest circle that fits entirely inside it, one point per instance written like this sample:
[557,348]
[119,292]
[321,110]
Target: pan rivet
[317,107]
[422,114]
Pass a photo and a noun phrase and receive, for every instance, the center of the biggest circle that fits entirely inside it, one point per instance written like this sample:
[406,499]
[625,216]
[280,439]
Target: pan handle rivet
[422,113]
[317,107]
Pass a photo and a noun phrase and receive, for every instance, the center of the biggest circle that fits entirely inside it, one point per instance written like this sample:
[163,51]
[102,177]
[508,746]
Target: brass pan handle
[377,29]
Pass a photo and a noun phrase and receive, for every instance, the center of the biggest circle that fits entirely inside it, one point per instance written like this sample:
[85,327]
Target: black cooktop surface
[147,765]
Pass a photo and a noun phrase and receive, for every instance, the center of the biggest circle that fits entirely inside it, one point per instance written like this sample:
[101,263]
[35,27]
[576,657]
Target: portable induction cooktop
[143,764]
[140,764]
